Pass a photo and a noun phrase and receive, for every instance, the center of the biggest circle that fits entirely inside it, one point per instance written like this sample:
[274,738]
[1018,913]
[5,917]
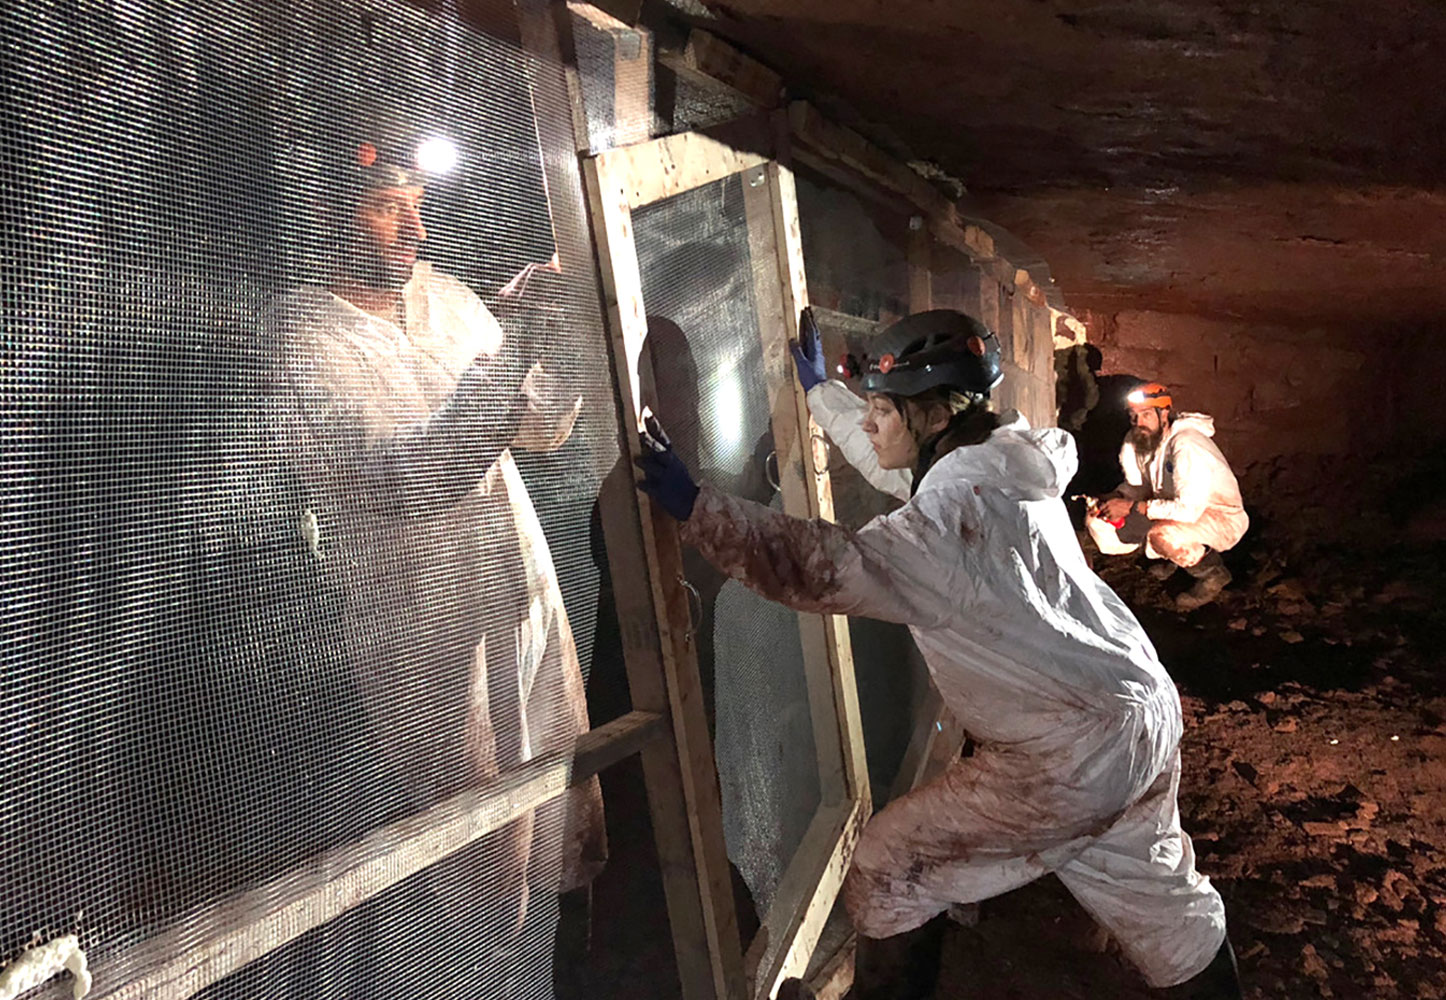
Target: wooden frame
[220,939]
[205,945]
[618,182]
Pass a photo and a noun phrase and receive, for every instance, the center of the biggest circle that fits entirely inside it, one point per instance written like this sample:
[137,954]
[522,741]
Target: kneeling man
[1179,498]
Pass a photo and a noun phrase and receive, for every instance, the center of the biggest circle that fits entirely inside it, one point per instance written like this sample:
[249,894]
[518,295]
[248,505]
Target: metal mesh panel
[854,253]
[244,625]
[858,279]
[701,270]
[695,106]
[615,70]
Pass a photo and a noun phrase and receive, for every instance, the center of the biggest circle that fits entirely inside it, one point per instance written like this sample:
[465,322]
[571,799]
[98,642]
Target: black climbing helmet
[940,348]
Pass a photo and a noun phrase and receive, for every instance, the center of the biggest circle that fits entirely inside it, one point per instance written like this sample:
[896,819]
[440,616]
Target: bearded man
[1179,500]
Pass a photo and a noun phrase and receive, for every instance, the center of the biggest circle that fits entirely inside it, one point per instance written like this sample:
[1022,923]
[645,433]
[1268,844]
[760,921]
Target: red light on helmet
[886,364]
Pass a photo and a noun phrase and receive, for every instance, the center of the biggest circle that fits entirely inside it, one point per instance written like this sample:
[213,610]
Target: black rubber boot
[902,967]
[1211,576]
[1220,980]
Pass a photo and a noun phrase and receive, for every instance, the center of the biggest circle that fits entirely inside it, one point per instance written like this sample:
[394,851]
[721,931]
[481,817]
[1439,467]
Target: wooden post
[629,90]
[646,563]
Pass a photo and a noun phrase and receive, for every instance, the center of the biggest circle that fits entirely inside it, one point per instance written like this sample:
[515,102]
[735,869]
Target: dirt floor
[1314,786]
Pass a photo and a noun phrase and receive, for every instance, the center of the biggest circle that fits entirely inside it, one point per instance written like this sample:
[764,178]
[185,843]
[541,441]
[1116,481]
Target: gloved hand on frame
[665,477]
[808,352]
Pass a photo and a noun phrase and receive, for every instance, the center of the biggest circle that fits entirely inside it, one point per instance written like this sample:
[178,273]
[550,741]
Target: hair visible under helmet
[938,358]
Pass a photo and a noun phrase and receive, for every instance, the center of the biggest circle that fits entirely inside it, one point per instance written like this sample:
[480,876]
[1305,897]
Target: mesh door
[703,271]
[858,272]
[272,587]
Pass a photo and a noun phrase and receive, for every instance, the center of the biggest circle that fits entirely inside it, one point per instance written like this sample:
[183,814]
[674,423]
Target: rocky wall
[1327,429]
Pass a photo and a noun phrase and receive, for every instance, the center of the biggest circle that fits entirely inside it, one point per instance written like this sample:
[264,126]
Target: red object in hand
[1116,524]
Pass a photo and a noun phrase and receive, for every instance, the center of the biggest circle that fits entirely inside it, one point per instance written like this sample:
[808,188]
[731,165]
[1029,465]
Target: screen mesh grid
[233,639]
[703,268]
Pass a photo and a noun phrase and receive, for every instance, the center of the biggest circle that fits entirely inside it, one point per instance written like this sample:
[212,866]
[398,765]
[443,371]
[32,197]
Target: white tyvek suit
[453,620]
[1077,722]
[1193,500]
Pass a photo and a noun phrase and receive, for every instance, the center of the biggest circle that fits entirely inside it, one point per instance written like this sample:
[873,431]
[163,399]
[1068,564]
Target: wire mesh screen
[692,106]
[703,268]
[855,253]
[275,584]
[615,70]
[858,280]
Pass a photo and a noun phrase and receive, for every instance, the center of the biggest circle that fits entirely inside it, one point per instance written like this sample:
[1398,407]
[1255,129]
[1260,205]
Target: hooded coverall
[453,623]
[1192,498]
[1076,722]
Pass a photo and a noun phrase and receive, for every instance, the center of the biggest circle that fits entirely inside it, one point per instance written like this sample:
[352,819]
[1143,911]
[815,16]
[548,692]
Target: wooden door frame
[619,181]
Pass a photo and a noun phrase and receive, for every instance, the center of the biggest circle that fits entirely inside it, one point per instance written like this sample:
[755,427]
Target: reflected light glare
[728,413]
[437,155]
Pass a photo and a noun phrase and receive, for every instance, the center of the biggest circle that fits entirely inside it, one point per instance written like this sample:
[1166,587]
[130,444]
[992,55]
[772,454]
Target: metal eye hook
[818,437]
[770,472]
[695,607]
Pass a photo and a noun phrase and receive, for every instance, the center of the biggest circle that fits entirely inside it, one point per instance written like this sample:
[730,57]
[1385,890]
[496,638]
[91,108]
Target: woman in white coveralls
[1076,723]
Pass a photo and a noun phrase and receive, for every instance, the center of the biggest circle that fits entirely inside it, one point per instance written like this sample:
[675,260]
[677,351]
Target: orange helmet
[1151,394]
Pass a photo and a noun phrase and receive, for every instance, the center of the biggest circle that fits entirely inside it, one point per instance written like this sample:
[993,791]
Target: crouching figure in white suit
[1077,724]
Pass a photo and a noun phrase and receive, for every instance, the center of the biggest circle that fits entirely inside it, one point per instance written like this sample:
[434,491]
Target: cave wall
[1273,391]
[1415,357]
[1325,427]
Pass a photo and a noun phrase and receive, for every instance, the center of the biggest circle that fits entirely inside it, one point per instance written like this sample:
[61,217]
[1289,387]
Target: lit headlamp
[1151,394]
[430,158]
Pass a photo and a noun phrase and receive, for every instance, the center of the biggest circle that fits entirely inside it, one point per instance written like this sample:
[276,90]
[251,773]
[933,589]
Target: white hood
[1202,422]
[1020,462]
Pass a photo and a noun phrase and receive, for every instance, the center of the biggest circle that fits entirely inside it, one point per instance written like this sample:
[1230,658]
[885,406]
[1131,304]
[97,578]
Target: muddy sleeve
[904,567]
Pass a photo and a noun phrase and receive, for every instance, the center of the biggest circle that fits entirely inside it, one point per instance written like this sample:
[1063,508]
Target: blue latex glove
[808,352]
[665,477]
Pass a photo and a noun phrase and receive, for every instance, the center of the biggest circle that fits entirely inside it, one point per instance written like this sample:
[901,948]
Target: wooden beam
[832,982]
[632,86]
[838,650]
[216,941]
[619,99]
[849,180]
[645,559]
[810,128]
[804,492]
[220,939]
[597,17]
[826,140]
[604,746]
[651,171]
[811,884]
[711,62]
